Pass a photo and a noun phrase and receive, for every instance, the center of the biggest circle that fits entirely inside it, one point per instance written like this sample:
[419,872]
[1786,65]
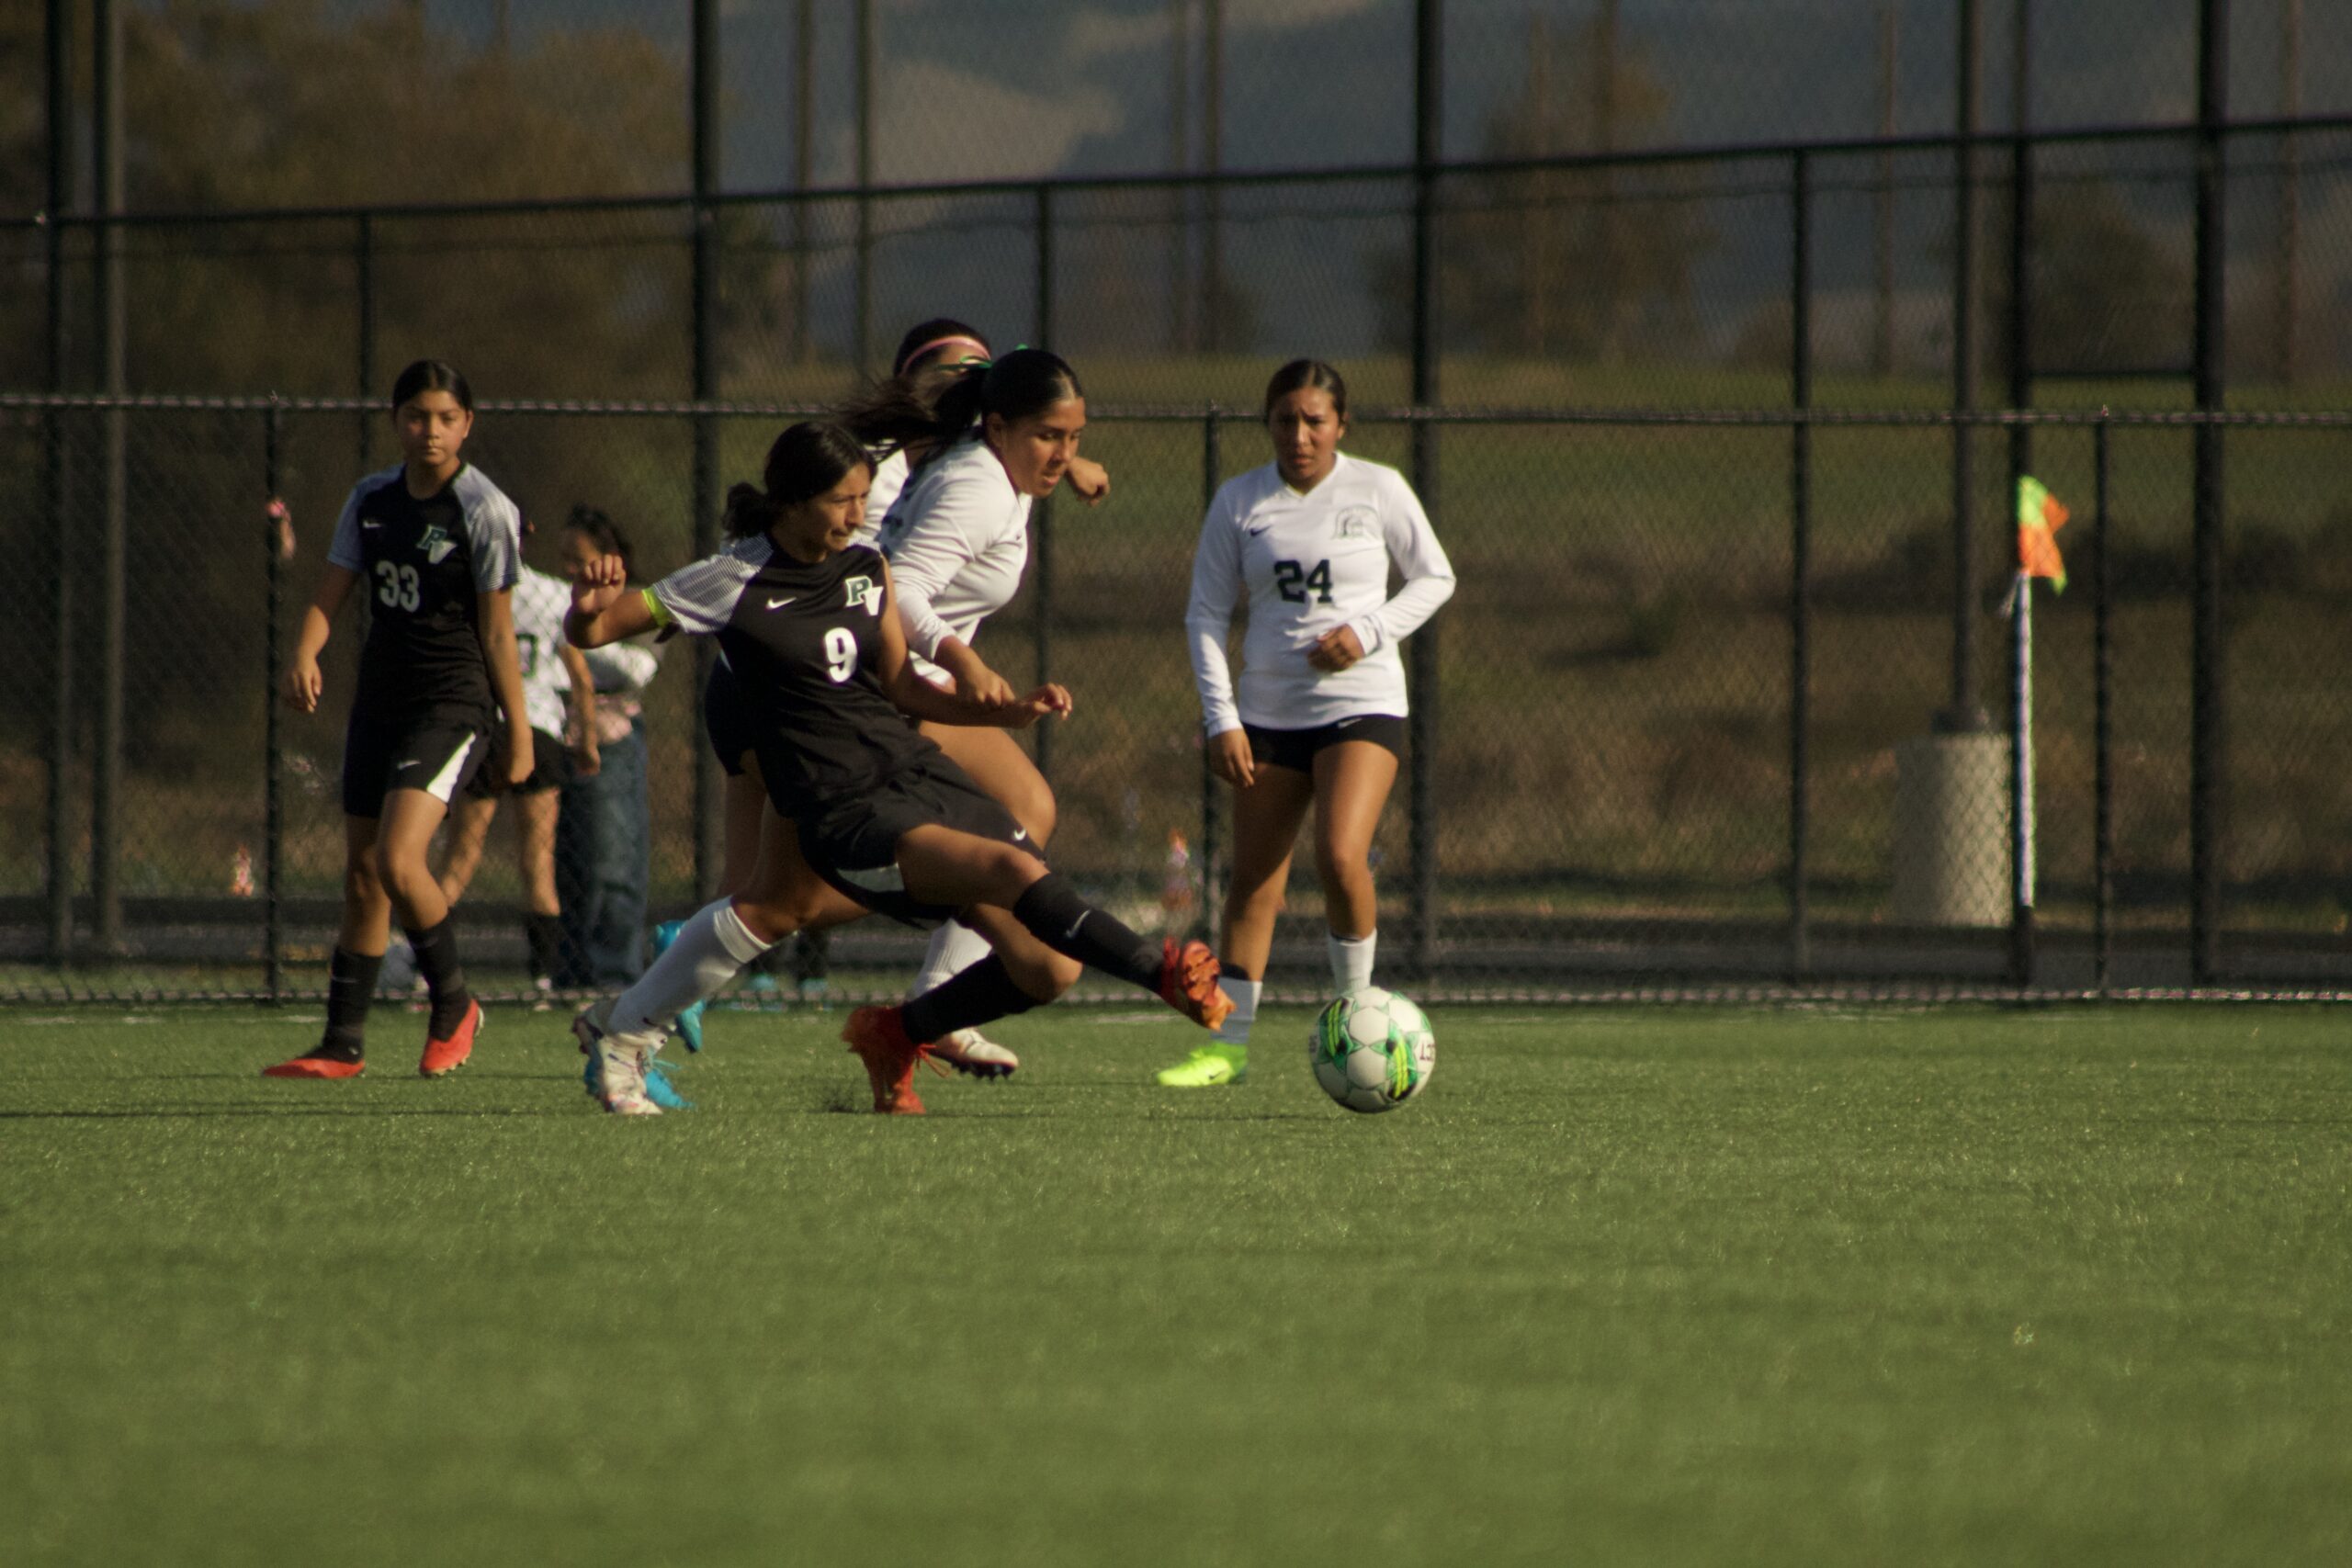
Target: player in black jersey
[883,817]
[434,546]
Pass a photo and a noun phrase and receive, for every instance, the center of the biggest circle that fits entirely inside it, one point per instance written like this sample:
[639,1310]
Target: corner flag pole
[2040,517]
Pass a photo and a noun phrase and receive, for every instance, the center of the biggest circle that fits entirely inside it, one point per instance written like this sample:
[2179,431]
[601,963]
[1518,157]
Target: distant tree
[2109,293]
[1564,263]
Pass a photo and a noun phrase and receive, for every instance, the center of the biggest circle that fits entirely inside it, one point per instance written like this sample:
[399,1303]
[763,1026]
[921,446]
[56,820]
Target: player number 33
[397,585]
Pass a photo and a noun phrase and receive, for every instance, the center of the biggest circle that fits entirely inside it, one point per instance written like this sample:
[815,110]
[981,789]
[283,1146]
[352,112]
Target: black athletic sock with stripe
[543,934]
[1060,916]
[444,979]
[351,985]
[981,994]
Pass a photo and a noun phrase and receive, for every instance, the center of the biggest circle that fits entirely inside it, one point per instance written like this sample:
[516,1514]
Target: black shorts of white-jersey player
[1316,721]
[434,546]
[881,815]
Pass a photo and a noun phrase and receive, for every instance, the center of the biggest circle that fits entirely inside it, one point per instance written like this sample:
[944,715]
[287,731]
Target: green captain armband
[654,607]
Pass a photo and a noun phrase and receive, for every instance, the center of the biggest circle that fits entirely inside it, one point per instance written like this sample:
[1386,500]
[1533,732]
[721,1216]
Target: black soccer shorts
[437,750]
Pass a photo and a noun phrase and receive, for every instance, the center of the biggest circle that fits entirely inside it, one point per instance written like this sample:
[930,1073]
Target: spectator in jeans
[602,829]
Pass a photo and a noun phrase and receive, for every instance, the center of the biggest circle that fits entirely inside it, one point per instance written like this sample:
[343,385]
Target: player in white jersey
[560,699]
[992,440]
[1316,721]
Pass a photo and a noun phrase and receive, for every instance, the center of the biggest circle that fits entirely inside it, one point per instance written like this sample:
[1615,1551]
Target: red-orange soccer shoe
[1188,983]
[315,1067]
[878,1036]
[447,1056]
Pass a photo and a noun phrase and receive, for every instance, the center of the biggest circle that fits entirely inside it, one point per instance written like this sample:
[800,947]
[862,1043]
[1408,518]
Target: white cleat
[973,1053]
[617,1063]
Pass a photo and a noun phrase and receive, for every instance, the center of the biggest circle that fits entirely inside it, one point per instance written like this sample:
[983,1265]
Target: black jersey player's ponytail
[808,459]
[432,376]
[937,409]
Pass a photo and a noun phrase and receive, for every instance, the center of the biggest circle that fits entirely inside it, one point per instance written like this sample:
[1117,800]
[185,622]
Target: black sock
[351,985]
[981,993]
[1058,916]
[437,960]
[544,936]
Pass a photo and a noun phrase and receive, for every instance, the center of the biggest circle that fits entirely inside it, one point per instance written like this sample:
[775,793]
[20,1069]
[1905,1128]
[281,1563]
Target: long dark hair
[1312,373]
[604,534]
[1020,386]
[432,376]
[808,459]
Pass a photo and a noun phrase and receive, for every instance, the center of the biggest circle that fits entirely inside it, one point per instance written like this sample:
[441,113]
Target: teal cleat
[690,1025]
[661,1090]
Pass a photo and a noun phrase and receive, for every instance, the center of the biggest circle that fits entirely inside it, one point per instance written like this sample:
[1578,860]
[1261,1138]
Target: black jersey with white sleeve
[804,640]
[1310,563]
[423,564]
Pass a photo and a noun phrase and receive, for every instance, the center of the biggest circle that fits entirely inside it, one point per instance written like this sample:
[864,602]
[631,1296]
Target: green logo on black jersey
[436,544]
[863,591]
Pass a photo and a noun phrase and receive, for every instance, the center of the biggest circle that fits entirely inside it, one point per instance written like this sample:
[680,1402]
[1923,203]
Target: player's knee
[407,880]
[770,920]
[1038,815]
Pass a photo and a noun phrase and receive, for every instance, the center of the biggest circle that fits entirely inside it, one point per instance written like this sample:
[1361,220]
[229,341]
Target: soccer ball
[1372,1049]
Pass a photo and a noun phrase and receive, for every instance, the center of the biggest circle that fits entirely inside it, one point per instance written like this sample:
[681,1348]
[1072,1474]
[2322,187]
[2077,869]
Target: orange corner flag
[2040,517]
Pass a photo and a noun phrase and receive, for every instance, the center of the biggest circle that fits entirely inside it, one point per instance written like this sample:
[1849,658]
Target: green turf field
[1957,1286]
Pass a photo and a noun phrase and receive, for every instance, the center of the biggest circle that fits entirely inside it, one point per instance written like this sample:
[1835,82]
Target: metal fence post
[710,850]
[2209,735]
[273,944]
[1428,344]
[1800,565]
[55,502]
[1965,713]
[2103,722]
[106,773]
[1041,517]
[364,254]
[1212,803]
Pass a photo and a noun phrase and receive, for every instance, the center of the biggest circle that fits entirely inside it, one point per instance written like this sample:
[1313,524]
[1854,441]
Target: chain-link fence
[1684,727]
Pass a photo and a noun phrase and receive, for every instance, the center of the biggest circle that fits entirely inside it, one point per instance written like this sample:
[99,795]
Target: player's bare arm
[303,679]
[582,720]
[915,696]
[602,608]
[495,625]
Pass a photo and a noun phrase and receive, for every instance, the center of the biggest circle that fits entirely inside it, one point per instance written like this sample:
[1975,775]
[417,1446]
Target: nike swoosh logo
[780,604]
[1071,935]
[409,763]
[1260,528]
[1348,723]
[371,525]
[1019,834]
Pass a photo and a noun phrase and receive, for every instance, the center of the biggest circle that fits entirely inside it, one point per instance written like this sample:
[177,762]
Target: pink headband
[943,343]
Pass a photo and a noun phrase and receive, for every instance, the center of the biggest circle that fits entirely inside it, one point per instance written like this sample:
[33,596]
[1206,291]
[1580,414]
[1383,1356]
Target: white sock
[1235,1029]
[1351,959]
[955,947]
[711,949]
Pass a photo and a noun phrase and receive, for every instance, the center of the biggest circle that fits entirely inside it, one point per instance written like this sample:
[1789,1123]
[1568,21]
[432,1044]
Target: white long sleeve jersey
[539,603]
[958,539]
[1311,563]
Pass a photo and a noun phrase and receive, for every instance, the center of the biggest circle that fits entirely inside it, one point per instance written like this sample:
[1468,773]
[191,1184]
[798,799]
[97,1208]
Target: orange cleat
[878,1036]
[447,1056]
[1188,983]
[315,1067]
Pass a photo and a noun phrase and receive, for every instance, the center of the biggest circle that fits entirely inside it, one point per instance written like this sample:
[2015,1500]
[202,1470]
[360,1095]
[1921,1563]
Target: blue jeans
[603,863]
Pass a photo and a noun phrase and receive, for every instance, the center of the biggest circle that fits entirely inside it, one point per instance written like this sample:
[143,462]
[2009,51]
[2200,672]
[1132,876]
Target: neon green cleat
[1206,1068]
